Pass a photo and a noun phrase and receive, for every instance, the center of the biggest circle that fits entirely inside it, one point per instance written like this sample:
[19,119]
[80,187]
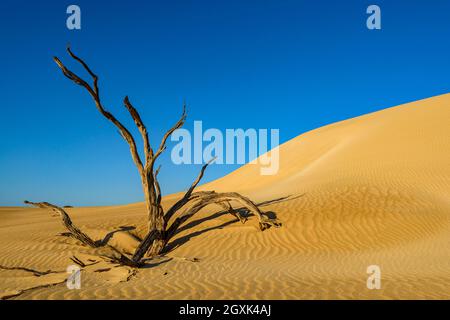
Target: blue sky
[292,65]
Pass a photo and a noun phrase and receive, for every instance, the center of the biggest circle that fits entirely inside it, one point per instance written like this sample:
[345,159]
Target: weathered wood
[227,207]
[186,197]
[158,230]
[201,200]
[141,127]
[79,235]
[94,92]
[145,244]
[67,222]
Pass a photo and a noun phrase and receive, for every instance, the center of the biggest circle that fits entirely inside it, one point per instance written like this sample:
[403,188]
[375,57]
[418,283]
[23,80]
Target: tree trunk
[159,230]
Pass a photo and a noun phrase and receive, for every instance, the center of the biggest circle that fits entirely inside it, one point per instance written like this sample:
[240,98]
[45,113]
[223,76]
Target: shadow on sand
[243,211]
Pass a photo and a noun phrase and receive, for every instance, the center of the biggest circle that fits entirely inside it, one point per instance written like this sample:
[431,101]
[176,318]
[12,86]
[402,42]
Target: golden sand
[372,190]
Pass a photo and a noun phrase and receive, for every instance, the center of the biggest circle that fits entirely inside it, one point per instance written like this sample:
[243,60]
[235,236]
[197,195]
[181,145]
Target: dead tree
[161,225]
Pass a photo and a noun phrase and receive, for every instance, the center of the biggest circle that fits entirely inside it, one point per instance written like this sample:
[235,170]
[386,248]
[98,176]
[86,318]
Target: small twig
[37,273]
[6,297]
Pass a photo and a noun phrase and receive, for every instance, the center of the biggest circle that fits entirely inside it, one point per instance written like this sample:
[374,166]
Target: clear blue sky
[293,65]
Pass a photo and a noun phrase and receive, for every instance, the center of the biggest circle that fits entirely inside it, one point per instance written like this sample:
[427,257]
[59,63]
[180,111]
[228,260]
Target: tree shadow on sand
[103,242]
[243,212]
[109,235]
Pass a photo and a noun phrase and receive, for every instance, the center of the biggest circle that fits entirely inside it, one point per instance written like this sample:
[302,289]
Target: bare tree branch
[204,199]
[228,208]
[67,222]
[85,66]
[141,127]
[162,145]
[158,231]
[157,186]
[180,203]
[95,95]
[36,273]
[145,244]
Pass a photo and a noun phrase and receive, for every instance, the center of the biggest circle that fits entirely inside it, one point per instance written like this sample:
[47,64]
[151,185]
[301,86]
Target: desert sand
[372,190]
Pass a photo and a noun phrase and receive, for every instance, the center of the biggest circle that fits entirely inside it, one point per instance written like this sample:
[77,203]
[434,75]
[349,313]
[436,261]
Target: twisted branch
[94,92]
[67,222]
[202,199]
[180,203]
[158,232]
[162,145]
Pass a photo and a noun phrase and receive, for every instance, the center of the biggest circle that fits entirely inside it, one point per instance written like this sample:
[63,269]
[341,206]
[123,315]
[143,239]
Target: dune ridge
[369,190]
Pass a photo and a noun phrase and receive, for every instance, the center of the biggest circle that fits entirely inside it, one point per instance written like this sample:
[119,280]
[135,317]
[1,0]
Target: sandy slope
[370,190]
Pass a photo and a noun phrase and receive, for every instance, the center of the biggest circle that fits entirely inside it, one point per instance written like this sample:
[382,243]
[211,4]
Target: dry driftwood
[161,225]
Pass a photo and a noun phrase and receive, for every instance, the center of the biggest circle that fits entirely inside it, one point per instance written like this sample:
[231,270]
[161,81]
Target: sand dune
[369,190]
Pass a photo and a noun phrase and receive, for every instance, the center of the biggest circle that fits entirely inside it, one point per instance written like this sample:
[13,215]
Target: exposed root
[36,273]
